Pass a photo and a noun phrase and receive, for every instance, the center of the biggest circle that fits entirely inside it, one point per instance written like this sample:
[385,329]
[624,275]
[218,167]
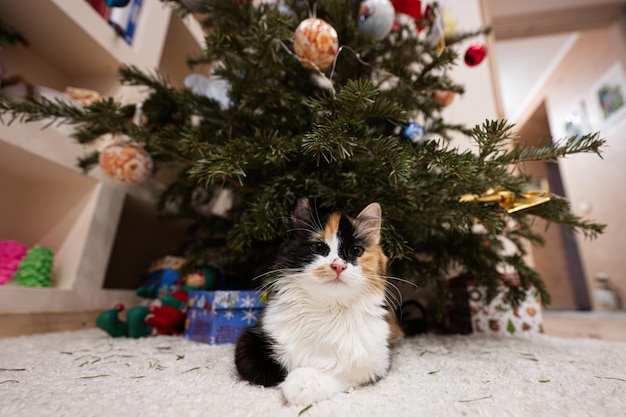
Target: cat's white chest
[347,341]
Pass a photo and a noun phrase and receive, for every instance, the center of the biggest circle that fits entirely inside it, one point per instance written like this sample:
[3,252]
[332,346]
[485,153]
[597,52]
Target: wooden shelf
[48,204]
[63,34]
[49,143]
[71,44]
[97,228]
[83,218]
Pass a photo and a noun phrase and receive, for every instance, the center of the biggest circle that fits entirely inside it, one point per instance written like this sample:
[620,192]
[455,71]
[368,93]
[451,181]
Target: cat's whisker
[394,298]
[276,276]
[398,291]
[264,274]
[318,222]
[299,229]
[311,226]
[393,295]
[388,277]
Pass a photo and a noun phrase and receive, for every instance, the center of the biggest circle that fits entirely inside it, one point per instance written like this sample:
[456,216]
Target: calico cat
[327,326]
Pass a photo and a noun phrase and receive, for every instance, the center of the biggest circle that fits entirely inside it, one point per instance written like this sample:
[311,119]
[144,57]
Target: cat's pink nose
[338,266]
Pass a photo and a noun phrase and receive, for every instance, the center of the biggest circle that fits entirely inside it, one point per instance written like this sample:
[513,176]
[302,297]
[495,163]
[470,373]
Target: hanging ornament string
[383,72]
[360,61]
[312,8]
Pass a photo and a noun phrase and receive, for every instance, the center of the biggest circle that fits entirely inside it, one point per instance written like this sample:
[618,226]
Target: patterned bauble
[127,163]
[376,17]
[475,54]
[445,97]
[413,133]
[316,44]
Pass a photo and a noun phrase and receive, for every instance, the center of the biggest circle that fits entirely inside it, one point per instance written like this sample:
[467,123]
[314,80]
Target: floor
[605,325]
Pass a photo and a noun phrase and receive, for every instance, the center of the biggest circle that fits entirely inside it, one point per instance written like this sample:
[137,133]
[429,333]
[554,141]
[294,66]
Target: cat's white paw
[304,386]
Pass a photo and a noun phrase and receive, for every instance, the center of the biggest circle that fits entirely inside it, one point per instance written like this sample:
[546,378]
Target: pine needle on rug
[88,373]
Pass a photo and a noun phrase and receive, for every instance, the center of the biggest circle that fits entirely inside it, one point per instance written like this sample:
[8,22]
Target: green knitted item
[35,269]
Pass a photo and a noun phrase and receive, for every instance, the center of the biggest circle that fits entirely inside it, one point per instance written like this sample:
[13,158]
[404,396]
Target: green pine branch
[39,109]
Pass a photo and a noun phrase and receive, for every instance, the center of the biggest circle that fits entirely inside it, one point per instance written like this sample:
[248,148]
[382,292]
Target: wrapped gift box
[499,317]
[219,317]
[472,313]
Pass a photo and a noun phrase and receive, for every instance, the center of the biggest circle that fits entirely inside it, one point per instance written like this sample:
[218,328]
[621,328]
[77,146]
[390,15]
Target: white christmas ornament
[214,87]
[376,17]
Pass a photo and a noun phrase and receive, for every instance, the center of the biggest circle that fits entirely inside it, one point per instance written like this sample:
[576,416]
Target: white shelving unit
[46,200]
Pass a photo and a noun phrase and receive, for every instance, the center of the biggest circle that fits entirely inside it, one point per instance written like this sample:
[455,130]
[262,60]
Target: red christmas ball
[475,54]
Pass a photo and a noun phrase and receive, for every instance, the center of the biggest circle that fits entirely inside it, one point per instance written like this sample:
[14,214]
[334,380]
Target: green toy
[135,325]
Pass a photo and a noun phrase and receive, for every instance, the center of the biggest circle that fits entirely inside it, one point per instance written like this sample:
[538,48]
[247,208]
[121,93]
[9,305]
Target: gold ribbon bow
[508,200]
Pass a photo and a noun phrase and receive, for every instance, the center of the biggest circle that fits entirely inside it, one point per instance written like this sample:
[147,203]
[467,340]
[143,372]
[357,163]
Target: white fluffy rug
[88,373]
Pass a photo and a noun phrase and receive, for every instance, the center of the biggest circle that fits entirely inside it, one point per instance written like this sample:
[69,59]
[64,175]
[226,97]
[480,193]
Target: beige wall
[550,260]
[593,185]
[480,100]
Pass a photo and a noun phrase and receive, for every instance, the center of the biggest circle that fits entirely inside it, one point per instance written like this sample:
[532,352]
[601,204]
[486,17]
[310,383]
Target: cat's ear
[301,217]
[370,221]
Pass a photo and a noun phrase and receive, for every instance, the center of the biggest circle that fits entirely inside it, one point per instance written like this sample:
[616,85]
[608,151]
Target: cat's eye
[320,248]
[356,251]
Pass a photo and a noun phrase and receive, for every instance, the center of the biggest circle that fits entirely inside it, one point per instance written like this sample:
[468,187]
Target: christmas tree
[364,126]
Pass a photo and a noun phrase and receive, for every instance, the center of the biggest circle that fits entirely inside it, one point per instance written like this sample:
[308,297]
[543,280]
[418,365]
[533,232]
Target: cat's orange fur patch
[324,272]
[331,227]
[374,264]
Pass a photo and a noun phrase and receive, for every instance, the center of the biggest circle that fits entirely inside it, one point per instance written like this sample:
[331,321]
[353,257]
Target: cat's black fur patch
[348,240]
[254,358]
[297,250]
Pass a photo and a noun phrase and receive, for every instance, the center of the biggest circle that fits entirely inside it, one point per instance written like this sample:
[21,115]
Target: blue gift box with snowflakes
[219,317]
